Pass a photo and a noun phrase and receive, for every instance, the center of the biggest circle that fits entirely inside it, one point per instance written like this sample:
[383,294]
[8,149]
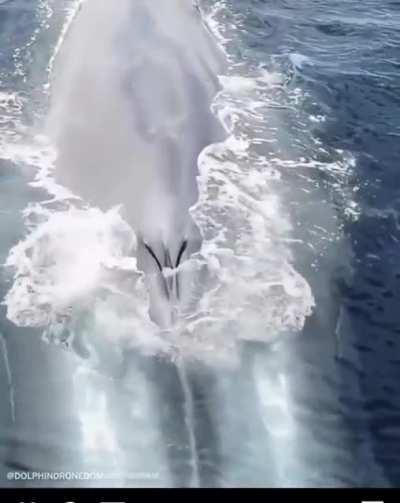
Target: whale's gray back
[131,109]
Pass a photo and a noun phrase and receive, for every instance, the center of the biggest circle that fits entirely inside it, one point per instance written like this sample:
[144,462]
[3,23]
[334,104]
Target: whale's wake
[165,174]
[159,229]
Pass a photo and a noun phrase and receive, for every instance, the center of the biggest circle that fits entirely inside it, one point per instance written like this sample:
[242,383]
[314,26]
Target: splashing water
[77,268]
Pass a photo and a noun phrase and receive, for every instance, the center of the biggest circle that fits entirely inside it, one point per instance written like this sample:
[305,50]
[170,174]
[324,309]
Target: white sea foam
[75,272]
[77,263]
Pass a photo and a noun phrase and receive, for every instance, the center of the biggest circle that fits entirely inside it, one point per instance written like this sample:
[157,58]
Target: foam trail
[189,420]
[277,414]
[9,376]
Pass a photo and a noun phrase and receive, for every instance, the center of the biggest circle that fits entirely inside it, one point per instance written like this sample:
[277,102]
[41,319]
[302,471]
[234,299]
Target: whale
[130,114]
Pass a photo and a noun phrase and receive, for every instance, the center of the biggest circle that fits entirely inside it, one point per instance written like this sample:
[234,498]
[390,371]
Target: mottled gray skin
[131,109]
[131,113]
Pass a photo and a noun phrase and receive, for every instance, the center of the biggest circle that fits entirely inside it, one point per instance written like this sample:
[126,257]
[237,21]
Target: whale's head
[169,282]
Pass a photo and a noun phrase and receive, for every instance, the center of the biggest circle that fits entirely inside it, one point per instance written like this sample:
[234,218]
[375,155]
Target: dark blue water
[349,74]
[336,122]
[356,52]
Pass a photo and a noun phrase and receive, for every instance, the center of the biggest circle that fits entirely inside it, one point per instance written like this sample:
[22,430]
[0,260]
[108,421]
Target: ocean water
[288,375]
